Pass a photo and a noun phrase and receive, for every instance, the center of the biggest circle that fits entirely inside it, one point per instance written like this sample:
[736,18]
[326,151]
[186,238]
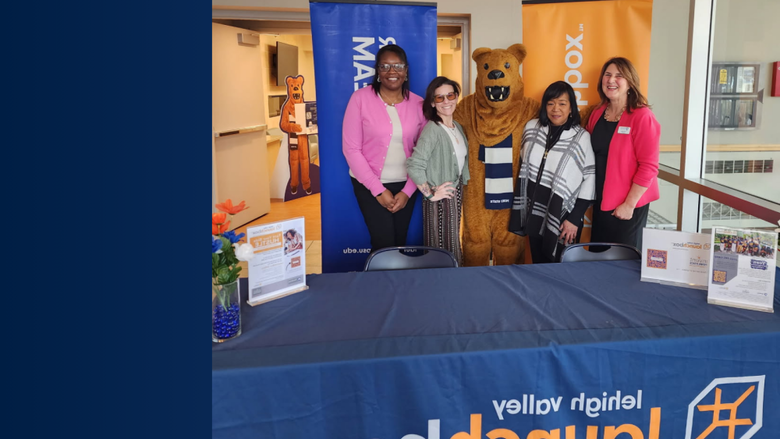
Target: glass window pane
[743,133]
[666,84]
[663,212]
[717,214]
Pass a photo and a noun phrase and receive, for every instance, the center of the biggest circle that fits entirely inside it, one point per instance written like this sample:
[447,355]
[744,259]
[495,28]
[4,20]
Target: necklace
[452,132]
[388,101]
[616,118]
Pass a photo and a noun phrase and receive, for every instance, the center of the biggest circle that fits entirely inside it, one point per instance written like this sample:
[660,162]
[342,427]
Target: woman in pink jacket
[625,138]
[381,127]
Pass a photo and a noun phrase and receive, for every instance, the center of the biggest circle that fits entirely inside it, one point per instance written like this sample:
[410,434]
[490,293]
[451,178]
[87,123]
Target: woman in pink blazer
[381,127]
[625,138]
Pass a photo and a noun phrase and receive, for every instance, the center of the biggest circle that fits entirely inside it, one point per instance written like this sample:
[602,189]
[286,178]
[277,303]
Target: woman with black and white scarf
[556,182]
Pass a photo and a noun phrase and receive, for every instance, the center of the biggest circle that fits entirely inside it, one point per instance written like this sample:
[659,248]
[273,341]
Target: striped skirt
[441,224]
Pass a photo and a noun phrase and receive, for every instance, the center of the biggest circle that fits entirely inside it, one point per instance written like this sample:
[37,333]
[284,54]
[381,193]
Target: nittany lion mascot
[493,118]
[298,145]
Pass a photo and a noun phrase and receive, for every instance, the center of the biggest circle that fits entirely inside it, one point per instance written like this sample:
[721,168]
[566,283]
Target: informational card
[742,272]
[308,121]
[279,266]
[675,258]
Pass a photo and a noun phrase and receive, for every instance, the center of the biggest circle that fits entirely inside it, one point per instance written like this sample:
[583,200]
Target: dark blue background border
[108,173]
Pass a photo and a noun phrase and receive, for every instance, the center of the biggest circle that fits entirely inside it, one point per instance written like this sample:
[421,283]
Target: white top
[459,143]
[394,170]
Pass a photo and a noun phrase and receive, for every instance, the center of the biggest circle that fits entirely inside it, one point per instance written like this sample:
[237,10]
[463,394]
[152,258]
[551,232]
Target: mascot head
[295,89]
[498,76]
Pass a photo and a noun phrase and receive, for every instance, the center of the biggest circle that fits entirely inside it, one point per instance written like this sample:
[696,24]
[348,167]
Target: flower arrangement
[226,253]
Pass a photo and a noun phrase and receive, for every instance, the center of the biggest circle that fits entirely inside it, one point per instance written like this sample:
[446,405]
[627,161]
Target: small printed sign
[278,268]
[675,258]
[742,272]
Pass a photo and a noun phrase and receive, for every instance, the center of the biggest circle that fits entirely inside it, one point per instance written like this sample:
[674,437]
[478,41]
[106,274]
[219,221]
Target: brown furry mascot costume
[493,118]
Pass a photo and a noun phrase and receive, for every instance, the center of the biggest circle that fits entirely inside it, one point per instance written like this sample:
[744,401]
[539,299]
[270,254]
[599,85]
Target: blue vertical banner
[345,38]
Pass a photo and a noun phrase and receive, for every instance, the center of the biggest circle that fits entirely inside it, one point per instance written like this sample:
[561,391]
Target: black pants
[386,229]
[536,242]
[538,256]
[608,228]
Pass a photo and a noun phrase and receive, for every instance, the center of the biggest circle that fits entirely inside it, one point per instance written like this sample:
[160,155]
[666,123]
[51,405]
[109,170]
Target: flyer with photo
[279,265]
[675,258]
[742,268]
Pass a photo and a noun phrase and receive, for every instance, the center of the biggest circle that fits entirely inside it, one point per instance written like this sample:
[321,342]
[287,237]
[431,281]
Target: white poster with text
[742,272]
[279,265]
[675,258]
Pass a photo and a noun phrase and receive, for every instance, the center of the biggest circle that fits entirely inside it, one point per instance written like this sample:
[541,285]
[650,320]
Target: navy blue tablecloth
[542,351]
[348,316]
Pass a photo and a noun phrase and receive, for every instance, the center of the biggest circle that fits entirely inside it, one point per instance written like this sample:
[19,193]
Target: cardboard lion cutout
[493,118]
[298,144]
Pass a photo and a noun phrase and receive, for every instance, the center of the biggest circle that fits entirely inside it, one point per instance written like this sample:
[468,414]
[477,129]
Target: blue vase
[225,312]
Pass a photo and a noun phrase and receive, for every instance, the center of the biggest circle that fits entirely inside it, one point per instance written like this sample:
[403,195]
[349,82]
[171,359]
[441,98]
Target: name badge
[624,130]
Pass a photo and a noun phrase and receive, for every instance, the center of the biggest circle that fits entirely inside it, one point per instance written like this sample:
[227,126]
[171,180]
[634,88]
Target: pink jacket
[366,136]
[633,157]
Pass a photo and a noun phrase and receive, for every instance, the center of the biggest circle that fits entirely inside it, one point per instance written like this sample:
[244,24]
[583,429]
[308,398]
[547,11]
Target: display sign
[279,266]
[345,39]
[309,121]
[742,272]
[676,258]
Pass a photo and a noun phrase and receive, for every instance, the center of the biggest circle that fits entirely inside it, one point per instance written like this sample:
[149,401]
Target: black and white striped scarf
[498,174]
[565,173]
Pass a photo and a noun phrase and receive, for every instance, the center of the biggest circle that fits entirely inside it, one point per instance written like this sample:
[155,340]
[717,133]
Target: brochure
[742,269]
[308,120]
[279,266]
[675,258]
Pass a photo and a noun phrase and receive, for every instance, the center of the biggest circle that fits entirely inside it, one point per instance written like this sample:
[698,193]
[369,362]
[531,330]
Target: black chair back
[409,257]
[599,251]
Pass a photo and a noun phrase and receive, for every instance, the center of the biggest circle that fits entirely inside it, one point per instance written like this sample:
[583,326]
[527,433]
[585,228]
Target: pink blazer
[366,135]
[633,156]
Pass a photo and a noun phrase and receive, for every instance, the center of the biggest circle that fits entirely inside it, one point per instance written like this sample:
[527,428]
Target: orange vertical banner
[570,42]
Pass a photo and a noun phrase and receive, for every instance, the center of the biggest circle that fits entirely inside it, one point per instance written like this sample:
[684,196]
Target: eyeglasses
[397,67]
[451,96]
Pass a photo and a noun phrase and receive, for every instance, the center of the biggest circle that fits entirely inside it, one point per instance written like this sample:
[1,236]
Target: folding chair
[409,257]
[599,251]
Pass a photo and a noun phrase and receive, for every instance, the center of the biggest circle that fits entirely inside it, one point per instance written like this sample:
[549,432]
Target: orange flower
[218,229]
[218,218]
[228,207]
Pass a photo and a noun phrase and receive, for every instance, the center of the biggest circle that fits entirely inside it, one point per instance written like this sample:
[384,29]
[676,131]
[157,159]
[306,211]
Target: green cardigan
[433,159]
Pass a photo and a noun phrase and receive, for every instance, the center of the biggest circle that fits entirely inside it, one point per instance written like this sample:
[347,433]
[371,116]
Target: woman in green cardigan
[439,166]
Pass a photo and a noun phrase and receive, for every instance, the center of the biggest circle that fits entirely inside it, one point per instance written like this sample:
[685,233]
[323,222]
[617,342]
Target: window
[744,45]
[725,171]
[738,166]
[719,214]
[663,213]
